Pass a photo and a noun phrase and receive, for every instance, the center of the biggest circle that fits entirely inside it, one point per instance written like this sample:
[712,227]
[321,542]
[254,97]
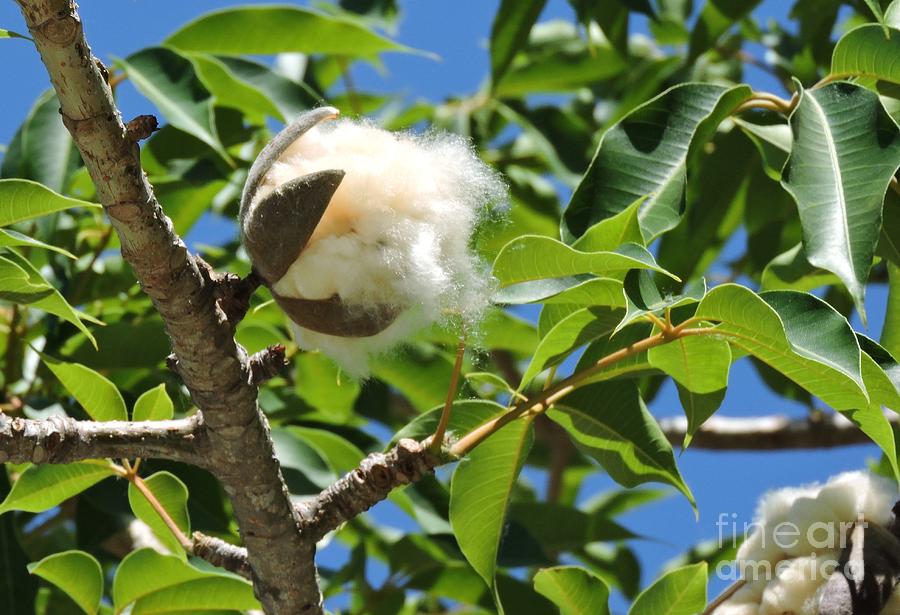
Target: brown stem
[725,595]
[437,440]
[556,392]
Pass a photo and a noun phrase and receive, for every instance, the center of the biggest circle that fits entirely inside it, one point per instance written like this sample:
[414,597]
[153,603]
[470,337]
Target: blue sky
[457,31]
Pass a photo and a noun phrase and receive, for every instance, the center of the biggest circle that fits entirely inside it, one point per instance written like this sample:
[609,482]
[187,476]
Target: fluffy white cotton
[397,231]
[793,590]
[797,538]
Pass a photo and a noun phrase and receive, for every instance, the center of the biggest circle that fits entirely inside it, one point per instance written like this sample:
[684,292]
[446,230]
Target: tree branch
[62,439]
[222,554]
[766,433]
[213,367]
[374,479]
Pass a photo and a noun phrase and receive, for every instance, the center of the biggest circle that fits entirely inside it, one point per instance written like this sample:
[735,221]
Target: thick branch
[374,479]
[764,433]
[213,367]
[64,440]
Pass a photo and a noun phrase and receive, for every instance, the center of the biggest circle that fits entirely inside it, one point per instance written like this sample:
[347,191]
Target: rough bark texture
[213,367]
[223,554]
[764,433]
[64,440]
[374,479]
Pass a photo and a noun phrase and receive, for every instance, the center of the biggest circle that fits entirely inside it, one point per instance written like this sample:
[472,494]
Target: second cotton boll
[396,232]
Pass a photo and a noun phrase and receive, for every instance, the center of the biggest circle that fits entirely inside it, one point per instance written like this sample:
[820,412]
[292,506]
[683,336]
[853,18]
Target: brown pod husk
[332,317]
[868,572]
[278,227]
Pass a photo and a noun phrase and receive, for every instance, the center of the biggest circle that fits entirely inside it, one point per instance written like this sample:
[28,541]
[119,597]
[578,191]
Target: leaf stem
[547,397]
[438,439]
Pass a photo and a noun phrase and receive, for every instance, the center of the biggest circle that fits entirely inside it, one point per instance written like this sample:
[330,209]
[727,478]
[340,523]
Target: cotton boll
[793,590]
[396,232]
[852,494]
[757,555]
[737,609]
[817,527]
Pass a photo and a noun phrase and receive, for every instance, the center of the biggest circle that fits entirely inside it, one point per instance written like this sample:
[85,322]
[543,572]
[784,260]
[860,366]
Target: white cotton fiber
[793,590]
[397,231]
[814,520]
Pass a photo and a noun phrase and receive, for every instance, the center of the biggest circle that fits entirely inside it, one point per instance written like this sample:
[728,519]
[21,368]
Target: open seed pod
[276,228]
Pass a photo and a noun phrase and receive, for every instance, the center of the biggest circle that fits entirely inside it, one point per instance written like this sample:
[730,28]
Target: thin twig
[725,595]
[437,440]
[139,484]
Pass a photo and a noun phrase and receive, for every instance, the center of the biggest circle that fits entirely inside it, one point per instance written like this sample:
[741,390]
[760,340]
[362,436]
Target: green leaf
[890,334]
[24,199]
[698,407]
[319,382]
[558,527]
[17,588]
[875,7]
[20,282]
[42,487]
[13,239]
[576,330]
[11,34]
[290,97]
[679,592]
[845,152]
[75,572]
[868,51]
[47,153]
[98,396]
[574,590]
[172,495]
[557,59]
[533,257]
[796,334]
[153,405]
[512,24]
[169,81]
[643,296]
[773,142]
[341,454]
[305,470]
[791,270]
[480,491]
[883,394]
[466,416]
[699,364]
[156,583]
[420,376]
[716,19]
[634,365]
[610,233]
[609,422]
[255,30]
[229,91]
[657,135]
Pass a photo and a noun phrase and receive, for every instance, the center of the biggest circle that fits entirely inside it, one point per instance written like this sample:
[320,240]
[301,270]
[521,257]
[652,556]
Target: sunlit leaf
[153,405]
[574,590]
[155,583]
[479,494]
[75,572]
[98,396]
[170,493]
[25,199]
[41,487]
[512,23]
[274,29]
[679,592]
